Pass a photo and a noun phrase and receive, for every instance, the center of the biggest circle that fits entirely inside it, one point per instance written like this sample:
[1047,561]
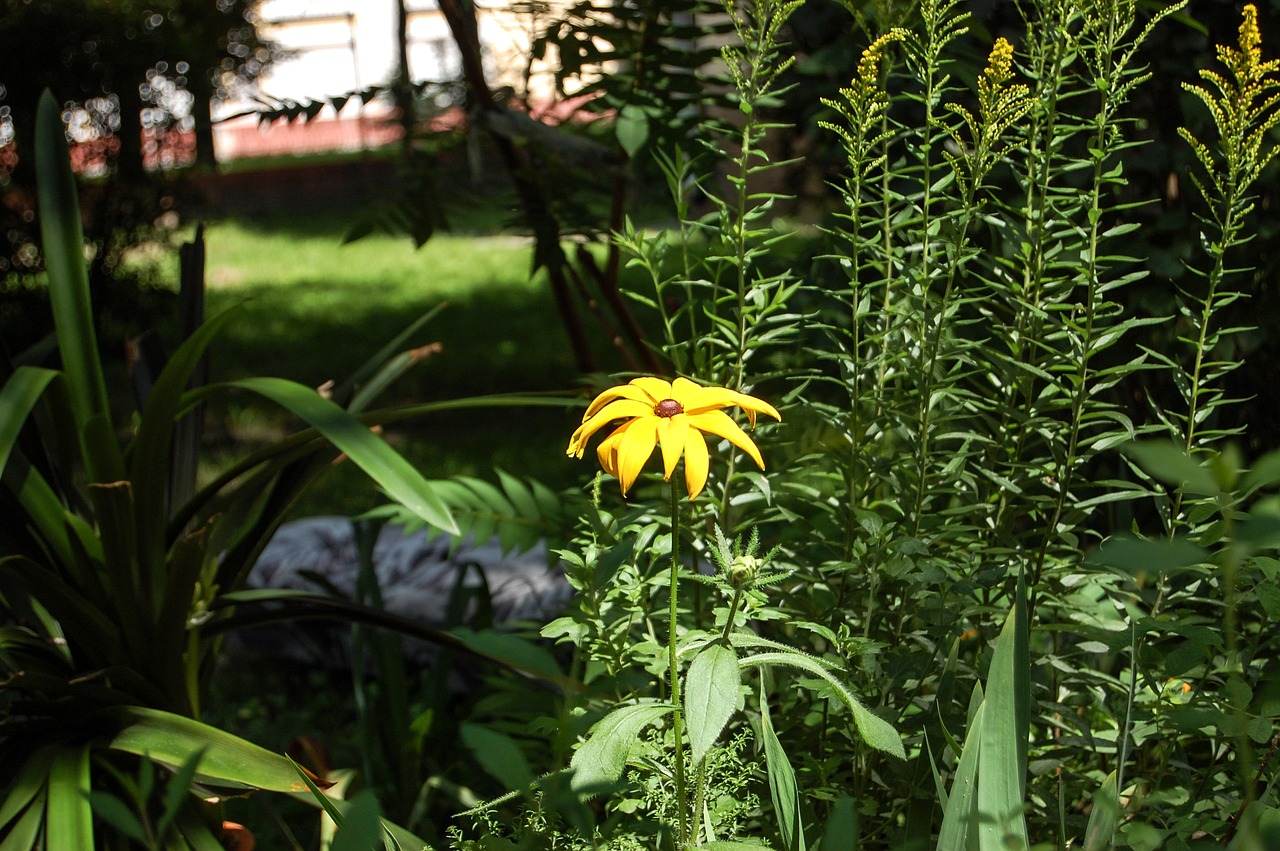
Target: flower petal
[713,398]
[752,406]
[616,410]
[631,391]
[607,451]
[719,424]
[697,462]
[634,447]
[671,437]
[654,387]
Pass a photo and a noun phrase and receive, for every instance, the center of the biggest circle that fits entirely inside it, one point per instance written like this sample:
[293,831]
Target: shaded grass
[312,309]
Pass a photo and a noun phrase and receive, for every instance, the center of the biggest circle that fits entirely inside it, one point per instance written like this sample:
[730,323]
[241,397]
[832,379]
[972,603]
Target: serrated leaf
[599,763]
[875,731]
[711,696]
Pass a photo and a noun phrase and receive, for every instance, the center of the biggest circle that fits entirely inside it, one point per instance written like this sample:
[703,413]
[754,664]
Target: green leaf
[365,449]
[841,833]
[17,399]
[960,818]
[361,826]
[27,786]
[1100,835]
[68,819]
[178,791]
[512,651]
[376,373]
[498,754]
[1143,558]
[1173,465]
[599,763]
[1002,823]
[875,731]
[152,448]
[63,249]
[711,696]
[631,129]
[115,812]
[23,833]
[172,740]
[782,783]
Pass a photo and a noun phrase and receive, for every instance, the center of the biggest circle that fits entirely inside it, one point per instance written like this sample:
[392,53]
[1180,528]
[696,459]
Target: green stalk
[677,716]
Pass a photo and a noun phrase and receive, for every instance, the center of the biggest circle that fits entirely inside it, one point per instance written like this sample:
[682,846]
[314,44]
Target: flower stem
[677,717]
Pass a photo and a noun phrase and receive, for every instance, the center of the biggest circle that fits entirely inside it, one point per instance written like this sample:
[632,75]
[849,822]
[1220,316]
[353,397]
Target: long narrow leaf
[63,246]
[875,731]
[782,783]
[1100,835]
[152,449]
[27,786]
[22,835]
[17,399]
[173,740]
[366,378]
[368,451]
[961,817]
[68,818]
[1001,778]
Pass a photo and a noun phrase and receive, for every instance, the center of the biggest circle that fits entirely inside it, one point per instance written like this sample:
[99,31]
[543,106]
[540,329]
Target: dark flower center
[668,408]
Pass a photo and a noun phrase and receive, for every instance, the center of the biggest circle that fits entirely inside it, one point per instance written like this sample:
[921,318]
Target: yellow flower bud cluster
[1243,104]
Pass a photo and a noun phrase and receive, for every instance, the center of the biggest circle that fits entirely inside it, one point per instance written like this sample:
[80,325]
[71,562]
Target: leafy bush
[956,378]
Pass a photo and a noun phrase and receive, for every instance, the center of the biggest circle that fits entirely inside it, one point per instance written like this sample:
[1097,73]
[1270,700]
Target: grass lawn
[313,309]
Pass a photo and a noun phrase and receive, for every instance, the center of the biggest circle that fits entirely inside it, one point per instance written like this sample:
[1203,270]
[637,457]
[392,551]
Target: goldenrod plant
[956,373]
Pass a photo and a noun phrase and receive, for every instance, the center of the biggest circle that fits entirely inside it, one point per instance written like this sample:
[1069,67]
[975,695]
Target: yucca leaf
[68,818]
[379,371]
[17,399]
[23,833]
[196,835]
[27,785]
[88,628]
[152,450]
[365,449]
[63,249]
[172,740]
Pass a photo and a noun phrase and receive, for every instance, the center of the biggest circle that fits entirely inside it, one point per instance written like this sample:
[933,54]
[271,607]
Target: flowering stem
[677,717]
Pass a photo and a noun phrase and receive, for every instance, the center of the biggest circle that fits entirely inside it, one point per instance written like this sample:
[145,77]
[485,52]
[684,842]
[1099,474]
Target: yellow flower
[673,415]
